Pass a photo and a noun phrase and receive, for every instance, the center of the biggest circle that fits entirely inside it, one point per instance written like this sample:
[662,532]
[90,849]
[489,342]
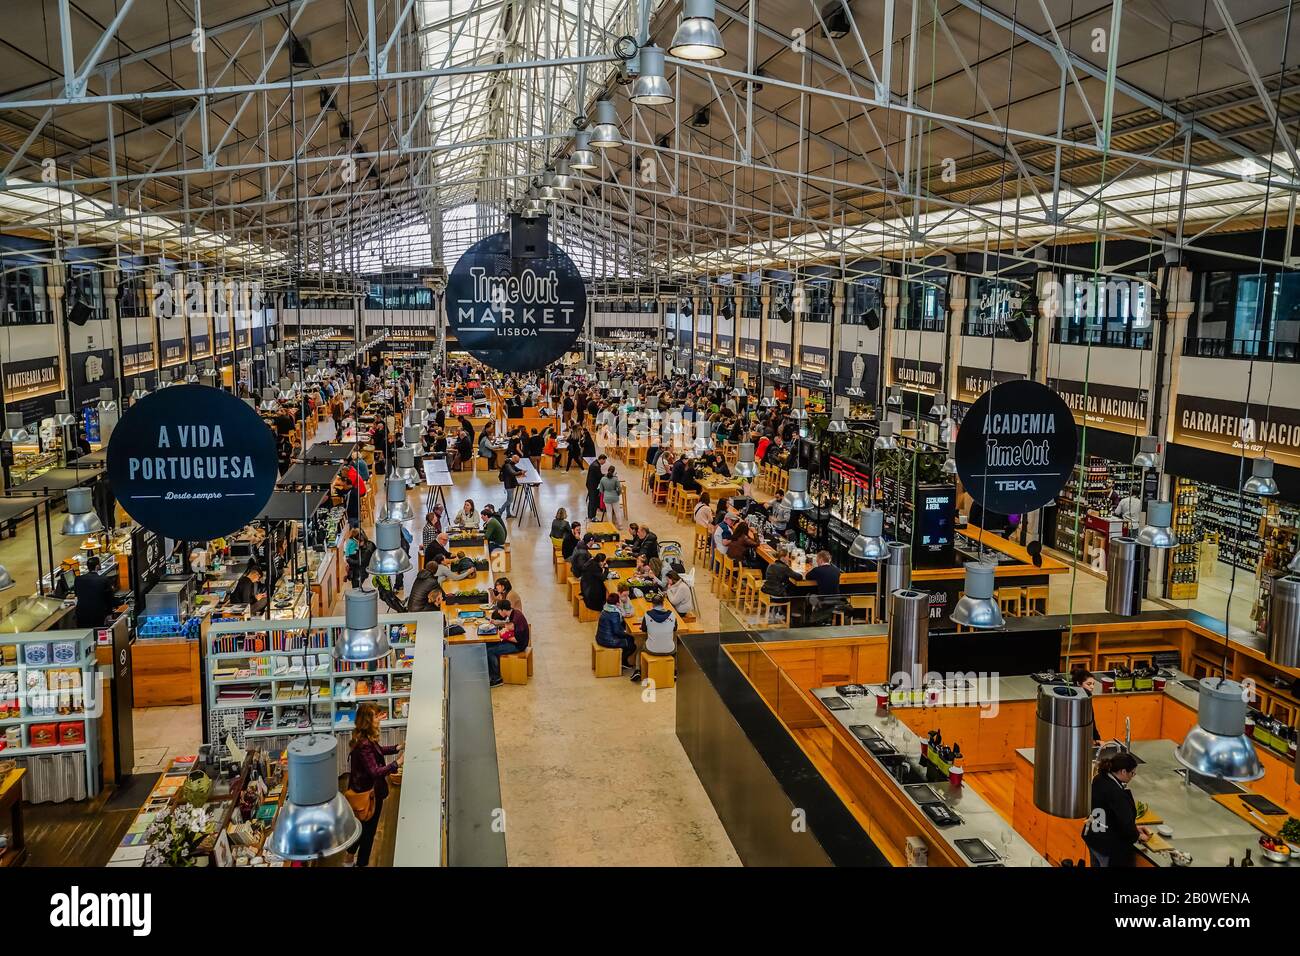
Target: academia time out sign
[1016,447]
[192,463]
[515,314]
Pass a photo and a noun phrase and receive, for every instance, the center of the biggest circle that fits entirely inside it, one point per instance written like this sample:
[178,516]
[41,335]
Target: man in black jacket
[425,595]
[592,584]
[595,472]
[509,476]
[96,596]
[572,534]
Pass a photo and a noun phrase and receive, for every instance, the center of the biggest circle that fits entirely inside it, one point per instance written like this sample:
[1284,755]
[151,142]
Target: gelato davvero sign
[515,314]
[192,463]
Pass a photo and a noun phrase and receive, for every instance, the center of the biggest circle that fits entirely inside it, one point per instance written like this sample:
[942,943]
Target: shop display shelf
[43,719]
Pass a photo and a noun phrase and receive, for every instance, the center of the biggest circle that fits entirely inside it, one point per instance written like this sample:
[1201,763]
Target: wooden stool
[517,668]
[1036,600]
[749,584]
[765,605]
[686,502]
[660,669]
[673,490]
[1010,600]
[506,549]
[660,490]
[724,582]
[702,544]
[647,476]
[606,661]
[866,603]
[561,569]
[585,614]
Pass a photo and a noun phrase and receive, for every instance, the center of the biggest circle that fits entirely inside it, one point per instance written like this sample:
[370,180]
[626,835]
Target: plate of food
[1275,849]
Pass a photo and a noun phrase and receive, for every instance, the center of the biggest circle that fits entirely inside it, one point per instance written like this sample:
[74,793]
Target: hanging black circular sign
[515,314]
[1016,447]
[192,462]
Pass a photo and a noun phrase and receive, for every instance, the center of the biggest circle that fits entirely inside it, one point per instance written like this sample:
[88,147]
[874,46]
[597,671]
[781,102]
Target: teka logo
[75,909]
[1020,484]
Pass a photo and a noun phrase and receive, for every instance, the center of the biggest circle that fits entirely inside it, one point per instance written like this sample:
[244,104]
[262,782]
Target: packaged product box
[43,735]
[36,653]
[72,733]
[63,652]
[9,654]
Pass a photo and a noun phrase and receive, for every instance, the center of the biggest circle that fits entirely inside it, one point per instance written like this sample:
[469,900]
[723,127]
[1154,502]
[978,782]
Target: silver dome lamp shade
[63,417]
[651,87]
[976,608]
[885,440]
[697,36]
[703,437]
[1148,453]
[287,390]
[15,431]
[404,471]
[139,391]
[362,639]
[315,821]
[191,375]
[563,178]
[1218,746]
[546,191]
[389,557]
[81,519]
[107,403]
[738,391]
[1157,533]
[769,397]
[939,407]
[582,158]
[950,462]
[837,425]
[411,435]
[797,497]
[269,402]
[396,507]
[799,409]
[870,543]
[6,579]
[605,134]
[1261,481]
[895,396]
[746,467]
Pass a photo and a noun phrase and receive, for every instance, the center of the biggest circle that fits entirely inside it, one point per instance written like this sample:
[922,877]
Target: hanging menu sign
[974,382]
[920,376]
[1016,447]
[192,463]
[1104,406]
[749,349]
[814,358]
[516,313]
[1222,426]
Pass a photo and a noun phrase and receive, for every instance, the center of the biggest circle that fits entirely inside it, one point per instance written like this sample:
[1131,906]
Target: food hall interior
[910,413]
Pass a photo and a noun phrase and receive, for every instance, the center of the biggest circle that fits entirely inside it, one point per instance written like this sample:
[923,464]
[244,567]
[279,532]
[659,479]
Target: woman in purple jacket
[368,771]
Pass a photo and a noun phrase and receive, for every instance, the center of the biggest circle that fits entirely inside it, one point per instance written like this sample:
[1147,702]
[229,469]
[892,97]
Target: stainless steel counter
[979,820]
[1209,832]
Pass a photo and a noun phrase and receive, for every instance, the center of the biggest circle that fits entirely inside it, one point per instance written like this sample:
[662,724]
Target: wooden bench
[606,661]
[517,668]
[659,669]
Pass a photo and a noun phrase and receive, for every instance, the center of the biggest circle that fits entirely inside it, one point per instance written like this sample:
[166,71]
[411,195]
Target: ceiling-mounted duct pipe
[1284,622]
[1126,569]
[893,574]
[1063,751]
[909,636]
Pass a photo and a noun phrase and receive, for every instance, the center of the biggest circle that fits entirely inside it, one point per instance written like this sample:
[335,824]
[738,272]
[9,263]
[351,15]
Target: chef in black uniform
[247,590]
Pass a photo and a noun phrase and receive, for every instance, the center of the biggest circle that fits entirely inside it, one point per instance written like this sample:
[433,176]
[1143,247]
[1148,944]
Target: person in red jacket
[367,771]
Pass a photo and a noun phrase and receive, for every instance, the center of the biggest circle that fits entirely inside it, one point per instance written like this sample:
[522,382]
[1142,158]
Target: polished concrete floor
[591,770]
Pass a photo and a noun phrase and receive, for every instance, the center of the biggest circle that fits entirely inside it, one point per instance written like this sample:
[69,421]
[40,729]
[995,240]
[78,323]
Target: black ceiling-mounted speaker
[79,313]
[528,237]
[728,309]
[700,118]
[836,17]
[345,129]
[299,53]
[665,141]
[1019,325]
[326,98]
[785,313]
[871,319]
[686,307]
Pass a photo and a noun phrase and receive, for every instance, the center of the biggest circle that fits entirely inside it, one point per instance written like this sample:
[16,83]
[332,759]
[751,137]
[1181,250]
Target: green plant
[1290,830]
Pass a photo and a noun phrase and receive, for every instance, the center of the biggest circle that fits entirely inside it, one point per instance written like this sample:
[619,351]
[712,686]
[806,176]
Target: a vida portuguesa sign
[192,463]
[515,314]
[1016,447]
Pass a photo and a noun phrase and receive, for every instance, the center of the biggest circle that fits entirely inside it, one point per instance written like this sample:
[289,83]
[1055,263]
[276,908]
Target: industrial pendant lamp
[315,820]
[939,407]
[870,544]
[191,375]
[797,497]
[798,409]
[286,389]
[895,396]
[745,466]
[6,580]
[1218,746]
[107,403]
[697,36]
[651,87]
[63,417]
[582,158]
[605,134]
[738,391]
[769,397]
[1148,453]
[546,191]
[950,463]
[837,425]
[405,472]
[1157,533]
[389,557]
[885,440]
[139,391]
[703,437]
[363,639]
[976,608]
[397,507]
[563,180]
[1261,481]
[81,519]
[269,403]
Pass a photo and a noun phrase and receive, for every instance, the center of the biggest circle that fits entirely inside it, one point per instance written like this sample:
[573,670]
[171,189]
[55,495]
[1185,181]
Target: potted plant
[1290,832]
[174,836]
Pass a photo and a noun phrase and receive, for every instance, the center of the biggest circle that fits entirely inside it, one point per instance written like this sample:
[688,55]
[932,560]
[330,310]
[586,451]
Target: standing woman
[368,772]
[1111,828]
[611,492]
